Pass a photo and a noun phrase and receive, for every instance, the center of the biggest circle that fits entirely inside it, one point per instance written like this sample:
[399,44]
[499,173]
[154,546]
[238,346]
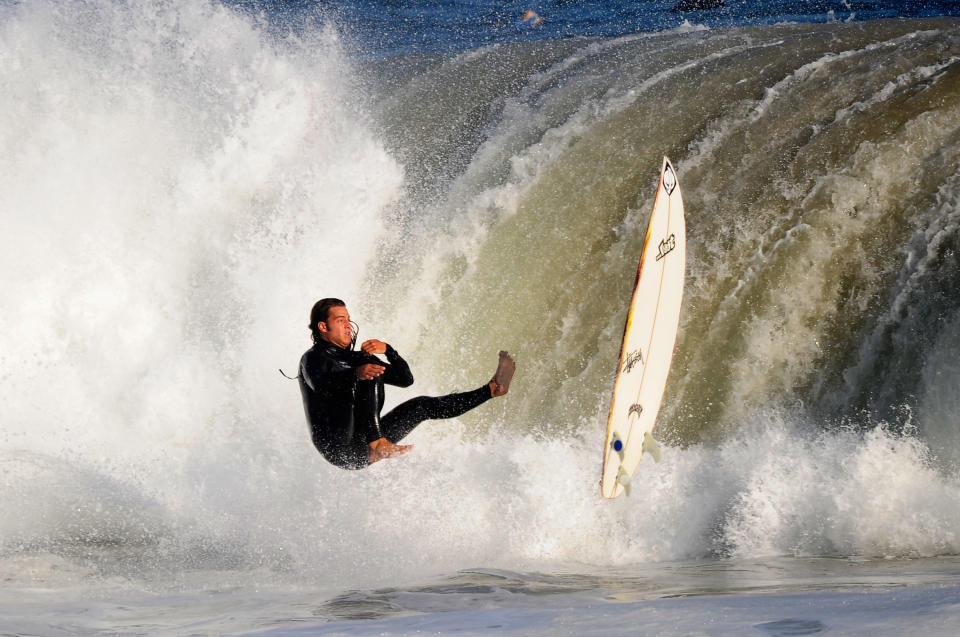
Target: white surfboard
[648,339]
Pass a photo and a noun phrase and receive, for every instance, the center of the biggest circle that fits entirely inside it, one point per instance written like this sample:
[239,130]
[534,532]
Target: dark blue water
[380,28]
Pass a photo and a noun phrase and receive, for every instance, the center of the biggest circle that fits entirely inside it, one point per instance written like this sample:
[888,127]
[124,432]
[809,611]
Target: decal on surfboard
[666,246]
[669,180]
[634,357]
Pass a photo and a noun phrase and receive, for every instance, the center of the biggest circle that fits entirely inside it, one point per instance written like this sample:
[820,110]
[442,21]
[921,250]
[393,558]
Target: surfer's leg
[405,417]
[368,401]
[343,444]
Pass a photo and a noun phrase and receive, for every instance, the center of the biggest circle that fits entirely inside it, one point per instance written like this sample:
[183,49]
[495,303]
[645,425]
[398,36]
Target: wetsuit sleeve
[398,372]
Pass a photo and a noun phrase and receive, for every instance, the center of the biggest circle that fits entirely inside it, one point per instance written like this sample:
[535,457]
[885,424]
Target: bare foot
[383,448]
[500,383]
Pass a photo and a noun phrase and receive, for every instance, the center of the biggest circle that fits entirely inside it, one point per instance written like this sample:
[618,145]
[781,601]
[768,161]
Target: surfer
[343,392]
[530,19]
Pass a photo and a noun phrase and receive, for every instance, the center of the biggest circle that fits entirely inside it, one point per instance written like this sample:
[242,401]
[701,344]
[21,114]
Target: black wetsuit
[344,412]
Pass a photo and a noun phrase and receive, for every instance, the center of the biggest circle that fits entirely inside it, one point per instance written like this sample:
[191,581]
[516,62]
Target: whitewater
[180,181]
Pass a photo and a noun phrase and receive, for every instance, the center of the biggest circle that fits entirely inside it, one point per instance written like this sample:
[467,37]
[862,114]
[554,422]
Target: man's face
[337,329]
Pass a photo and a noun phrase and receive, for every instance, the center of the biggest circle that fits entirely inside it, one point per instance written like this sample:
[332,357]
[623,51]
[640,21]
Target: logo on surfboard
[666,246]
[669,180]
[631,360]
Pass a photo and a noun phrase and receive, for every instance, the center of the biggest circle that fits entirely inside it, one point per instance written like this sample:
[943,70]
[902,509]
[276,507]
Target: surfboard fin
[616,443]
[624,479]
[651,446]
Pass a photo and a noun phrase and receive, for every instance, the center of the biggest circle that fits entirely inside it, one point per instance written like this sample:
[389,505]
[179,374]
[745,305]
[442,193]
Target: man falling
[343,392]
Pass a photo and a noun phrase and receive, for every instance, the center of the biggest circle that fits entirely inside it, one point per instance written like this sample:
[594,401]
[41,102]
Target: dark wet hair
[320,313]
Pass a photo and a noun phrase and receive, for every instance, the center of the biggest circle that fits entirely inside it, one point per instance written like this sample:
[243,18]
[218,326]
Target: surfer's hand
[383,448]
[373,346]
[370,371]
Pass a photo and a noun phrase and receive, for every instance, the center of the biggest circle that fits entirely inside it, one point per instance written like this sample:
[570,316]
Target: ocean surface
[181,180]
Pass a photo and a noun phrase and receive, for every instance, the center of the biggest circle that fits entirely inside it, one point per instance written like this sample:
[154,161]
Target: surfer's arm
[396,371]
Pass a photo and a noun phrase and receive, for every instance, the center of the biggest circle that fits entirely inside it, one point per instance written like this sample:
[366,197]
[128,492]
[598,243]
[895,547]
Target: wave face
[820,176]
[179,183]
